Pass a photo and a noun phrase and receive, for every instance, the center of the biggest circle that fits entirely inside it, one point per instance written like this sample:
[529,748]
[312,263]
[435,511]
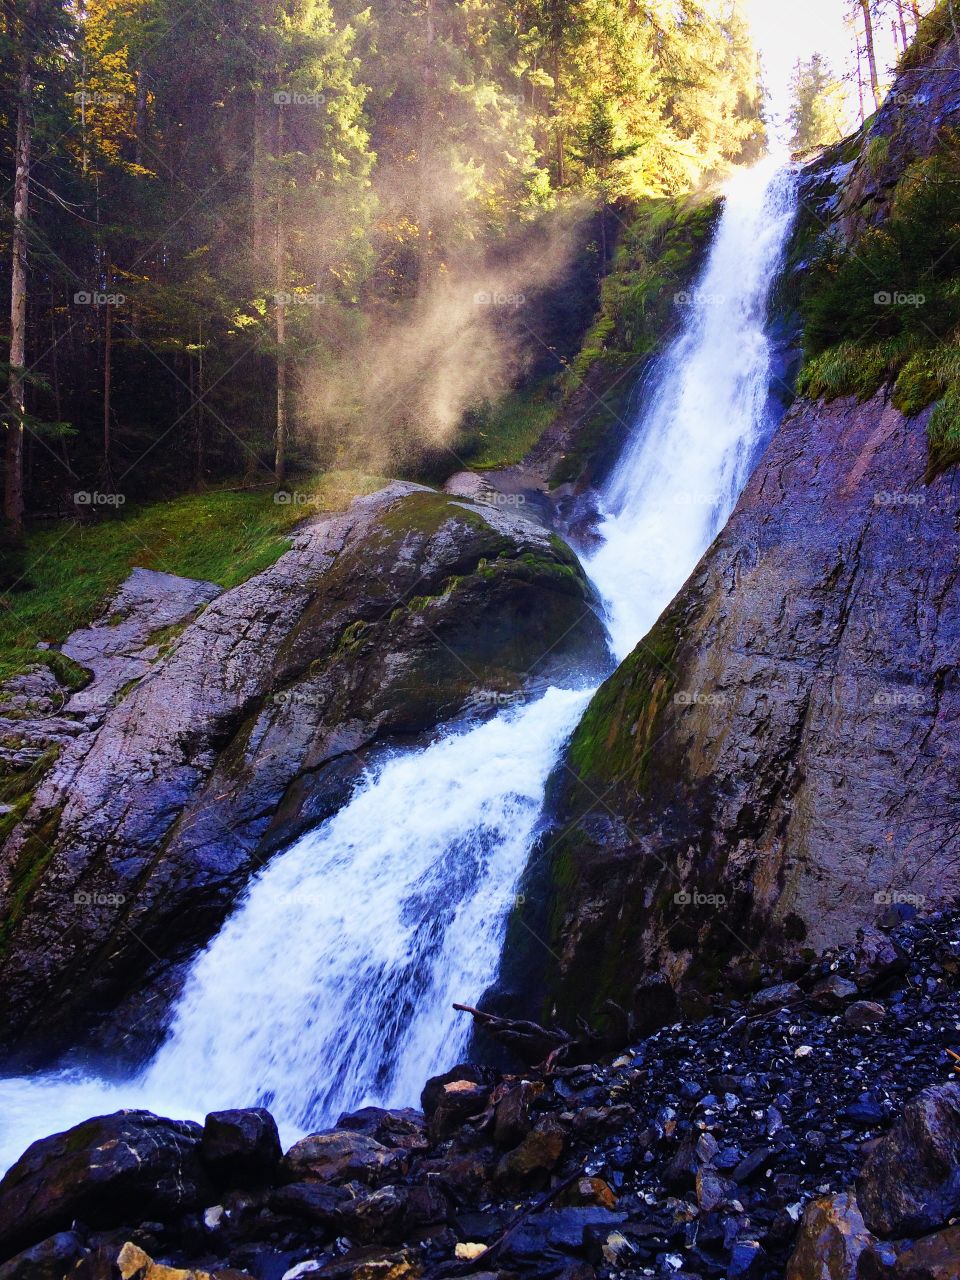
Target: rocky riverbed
[808,1129]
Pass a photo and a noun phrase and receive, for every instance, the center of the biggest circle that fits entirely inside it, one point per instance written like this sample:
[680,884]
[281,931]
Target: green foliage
[936,27]
[655,260]
[221,536]
[886,309]
[818,110]
[944,432]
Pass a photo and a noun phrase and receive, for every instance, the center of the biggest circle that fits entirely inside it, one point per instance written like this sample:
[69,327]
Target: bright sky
[786,30]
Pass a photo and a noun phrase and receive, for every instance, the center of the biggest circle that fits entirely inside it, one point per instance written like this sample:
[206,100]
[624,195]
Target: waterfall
[331,985]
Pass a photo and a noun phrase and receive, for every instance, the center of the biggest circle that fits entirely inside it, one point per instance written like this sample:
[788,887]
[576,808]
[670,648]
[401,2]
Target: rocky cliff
[214,728]
[776,765]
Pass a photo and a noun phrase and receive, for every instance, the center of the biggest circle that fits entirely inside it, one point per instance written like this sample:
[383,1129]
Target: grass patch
[219,536]
[504,432]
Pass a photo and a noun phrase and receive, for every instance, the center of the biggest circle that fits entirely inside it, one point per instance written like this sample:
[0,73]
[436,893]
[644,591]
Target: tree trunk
[258,193]
[107,371]
[280,439]
[902,20]
[863,105]
[13,471]
[141,138]
[871,51]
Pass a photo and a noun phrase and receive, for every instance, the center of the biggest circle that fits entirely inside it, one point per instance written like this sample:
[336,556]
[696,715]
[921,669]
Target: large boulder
[777,757]
[936,1257]
[132,1164]
[910,1183]
[832,1239]
[252,724]
[341,1155]
[241,1148]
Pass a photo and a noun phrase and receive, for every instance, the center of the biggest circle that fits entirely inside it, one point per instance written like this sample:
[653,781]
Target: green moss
[502,433]
[876,154]
[614,739]
[352,636]
[70,674]
[27,872]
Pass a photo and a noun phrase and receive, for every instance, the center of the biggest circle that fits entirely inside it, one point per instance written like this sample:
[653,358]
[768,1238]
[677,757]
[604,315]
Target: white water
[331,985]
[678,481]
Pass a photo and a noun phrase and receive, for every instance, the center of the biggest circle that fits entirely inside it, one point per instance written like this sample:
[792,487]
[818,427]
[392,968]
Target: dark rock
[340,1155]
[558,1229]
[833,993]
[317,1202]
[402,1127]
[910,1183]
[433,1090]
[655,1004]
[459,1102]
[103,1171]
[241,1148]
[864,1013]
[935,1258]
[783,993]
[49,1260]
[713,1192]
[512,1113]
[756,1162]
[529,1164]
[747,1260]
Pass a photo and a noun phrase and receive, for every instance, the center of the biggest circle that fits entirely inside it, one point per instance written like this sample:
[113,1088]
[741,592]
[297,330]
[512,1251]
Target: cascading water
[331,985]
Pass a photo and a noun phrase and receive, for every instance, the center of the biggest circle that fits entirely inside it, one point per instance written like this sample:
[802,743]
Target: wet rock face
[833,1237]
[777,760]
[251,725]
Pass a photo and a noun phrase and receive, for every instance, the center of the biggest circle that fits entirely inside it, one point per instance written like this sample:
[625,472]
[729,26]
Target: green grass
[504,432]
[223,537]
[934,28]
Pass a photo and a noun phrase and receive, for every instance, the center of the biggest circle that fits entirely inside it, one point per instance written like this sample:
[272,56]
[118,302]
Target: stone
[49,1260]
[102,1171]
[134,1264]
[560,1229]
[531,1162]
[863,1014]
[588,1191]
[910,1183]
[936,1257]
[459,1101]
[340,1155]
[241,1148]
[832,1238]
[784,993]
[400,1127]
[434,1090]
[317,1202]
[511,1116]
[832,993]
[713,1192]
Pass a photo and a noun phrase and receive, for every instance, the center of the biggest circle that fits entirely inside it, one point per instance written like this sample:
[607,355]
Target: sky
[786,30]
